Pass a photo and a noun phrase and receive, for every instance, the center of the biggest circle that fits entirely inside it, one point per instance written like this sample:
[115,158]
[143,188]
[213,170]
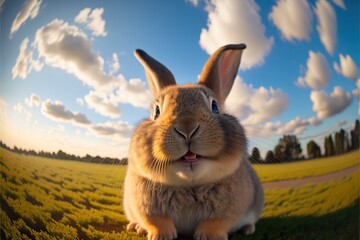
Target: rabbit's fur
[188,169]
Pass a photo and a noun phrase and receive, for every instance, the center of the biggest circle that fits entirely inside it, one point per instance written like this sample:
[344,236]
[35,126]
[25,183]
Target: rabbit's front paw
[133,226]
[163,234]
[210,236]
[248,229]
[212,229]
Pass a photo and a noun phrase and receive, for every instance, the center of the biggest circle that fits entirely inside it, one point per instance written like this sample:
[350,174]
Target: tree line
[65,156]
[289,149]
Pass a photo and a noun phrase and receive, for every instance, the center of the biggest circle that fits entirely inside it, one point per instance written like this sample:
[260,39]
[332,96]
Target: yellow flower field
[56,199]
[308,168]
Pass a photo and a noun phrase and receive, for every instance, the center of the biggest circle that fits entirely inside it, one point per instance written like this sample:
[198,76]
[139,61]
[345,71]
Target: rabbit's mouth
[190,157]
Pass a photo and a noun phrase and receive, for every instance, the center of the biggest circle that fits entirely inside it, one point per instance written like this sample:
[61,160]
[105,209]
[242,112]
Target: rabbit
[188,172]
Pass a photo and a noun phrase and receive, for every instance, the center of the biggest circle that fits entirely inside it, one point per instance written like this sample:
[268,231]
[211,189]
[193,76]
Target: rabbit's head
[189,139]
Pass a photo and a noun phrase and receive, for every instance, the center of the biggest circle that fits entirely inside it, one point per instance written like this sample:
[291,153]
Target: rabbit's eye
[214,107]
[157,112]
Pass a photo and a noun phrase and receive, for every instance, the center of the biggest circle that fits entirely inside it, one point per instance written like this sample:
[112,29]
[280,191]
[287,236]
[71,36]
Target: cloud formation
[117,130]
[102,105]
[255,105]
[327,25]
[115,65]
[328,105]
[93,20]
[340,3]
[295,126]
[25,62]
[21,109]
[66,47]
[34,100]
[347,67]
[30,9]
[1,4]
[235,21]
[293,18]
[193,2]
[356,93]
[3,106]
[57,111]
[317,74]
[132,92]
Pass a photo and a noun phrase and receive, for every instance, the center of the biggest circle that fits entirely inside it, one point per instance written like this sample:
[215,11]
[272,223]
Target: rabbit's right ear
[158,75]
[220,70]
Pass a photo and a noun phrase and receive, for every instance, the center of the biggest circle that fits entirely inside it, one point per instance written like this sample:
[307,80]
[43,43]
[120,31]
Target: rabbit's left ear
[158,75]
[220,70]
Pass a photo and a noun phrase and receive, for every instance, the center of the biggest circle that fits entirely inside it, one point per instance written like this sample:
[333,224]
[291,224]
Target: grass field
[309,168]
[55,199]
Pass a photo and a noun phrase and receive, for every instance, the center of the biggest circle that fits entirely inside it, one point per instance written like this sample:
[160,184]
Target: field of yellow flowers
[56,199]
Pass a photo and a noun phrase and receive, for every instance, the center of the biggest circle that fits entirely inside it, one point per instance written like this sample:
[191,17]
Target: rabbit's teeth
[190,157]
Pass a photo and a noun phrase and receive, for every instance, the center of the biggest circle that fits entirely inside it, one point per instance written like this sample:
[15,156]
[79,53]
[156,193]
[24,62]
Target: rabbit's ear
[158,75]
[220,70]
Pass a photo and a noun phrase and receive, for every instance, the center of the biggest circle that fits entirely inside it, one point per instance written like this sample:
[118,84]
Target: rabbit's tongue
[189,157]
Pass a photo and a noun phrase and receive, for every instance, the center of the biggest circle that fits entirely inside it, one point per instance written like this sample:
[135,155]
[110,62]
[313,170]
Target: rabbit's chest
[188,207]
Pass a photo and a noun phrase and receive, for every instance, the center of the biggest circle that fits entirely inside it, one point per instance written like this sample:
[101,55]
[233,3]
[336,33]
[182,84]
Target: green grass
[308,168]
[54,199]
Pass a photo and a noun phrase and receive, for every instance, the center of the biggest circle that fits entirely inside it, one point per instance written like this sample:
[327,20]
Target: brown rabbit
[188,171]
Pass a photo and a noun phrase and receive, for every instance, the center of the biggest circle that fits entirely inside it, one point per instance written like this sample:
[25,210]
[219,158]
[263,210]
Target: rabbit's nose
[186,129]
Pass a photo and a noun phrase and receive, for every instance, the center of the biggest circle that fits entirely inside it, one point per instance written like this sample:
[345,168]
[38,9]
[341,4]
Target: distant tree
[355,135]
[340,142]
[288,149]
[313,150]
[124,161]
[270,157]
[255,156]
[329,146]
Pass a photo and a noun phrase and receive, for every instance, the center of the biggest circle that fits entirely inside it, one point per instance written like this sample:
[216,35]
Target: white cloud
[356,93]
[1,4]
[115,65]
[3,106]
[66,47]
[21,109]
[236,21]
[101,104]
[340,3]
[298,125]
[193,2]
[57,111]
[347,67]
[314,121]
[92,20]
[328,105]
[56,130]
[25,62]
[80,101]
[293,18]
[327,25]
[118,131]
[255,105]
[30,9]
[133,92]
[295,126]
[317,74]
[341,123]
[34,100]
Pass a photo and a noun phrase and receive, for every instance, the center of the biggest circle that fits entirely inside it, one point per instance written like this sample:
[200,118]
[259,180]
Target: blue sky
[69,79]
